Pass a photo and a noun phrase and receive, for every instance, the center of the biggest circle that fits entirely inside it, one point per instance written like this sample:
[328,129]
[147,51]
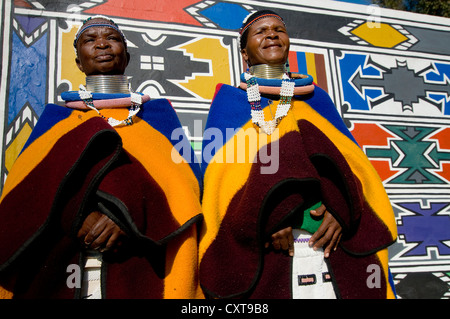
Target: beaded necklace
[136,101]
[254,98]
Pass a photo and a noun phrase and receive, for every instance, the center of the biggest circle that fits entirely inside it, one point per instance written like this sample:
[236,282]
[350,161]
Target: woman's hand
[284,240]
[328,234]
[99,232]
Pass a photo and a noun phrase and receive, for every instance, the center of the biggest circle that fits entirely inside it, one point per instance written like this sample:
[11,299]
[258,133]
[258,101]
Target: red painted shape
[369,134]
[156,10]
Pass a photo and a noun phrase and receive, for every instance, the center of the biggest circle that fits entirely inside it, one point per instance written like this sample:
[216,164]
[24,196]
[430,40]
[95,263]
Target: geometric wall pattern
[387,71]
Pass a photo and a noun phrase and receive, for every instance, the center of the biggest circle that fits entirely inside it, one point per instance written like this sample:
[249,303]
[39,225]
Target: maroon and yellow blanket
[255,184]
[73,163]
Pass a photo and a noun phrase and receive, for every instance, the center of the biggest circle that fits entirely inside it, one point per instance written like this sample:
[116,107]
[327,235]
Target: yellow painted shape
[214,51]
[69,69]
[311,65]
[16,146]
[380,35]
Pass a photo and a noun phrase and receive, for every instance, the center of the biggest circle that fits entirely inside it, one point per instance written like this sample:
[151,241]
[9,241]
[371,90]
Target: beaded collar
[84,99]
[285,88]
[254,98]
[136,101]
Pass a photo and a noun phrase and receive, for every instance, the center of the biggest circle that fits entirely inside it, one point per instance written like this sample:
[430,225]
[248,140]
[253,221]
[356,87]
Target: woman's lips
[272,45]
[104,57]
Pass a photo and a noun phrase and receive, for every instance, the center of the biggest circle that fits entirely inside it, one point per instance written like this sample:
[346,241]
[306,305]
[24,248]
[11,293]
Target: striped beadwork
[254,99]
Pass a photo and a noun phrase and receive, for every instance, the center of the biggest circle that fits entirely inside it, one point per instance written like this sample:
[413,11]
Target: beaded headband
[256,16]
[84,27]
[249,24]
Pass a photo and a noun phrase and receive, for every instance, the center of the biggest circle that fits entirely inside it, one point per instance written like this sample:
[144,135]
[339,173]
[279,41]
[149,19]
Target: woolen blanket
[256,184]
[73,163]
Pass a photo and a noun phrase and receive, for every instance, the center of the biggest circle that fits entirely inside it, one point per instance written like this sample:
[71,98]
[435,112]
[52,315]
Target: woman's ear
[128,58]
[245,56]
[79,65]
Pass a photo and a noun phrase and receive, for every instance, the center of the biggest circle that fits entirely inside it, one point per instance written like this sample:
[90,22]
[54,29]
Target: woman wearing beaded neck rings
[99,194]
[259,212]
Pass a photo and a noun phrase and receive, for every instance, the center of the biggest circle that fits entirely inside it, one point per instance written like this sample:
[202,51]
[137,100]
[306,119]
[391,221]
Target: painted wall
[387,71]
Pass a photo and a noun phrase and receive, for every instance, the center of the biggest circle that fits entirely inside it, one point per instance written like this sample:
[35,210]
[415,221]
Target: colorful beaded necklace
[136,101]
[254,98]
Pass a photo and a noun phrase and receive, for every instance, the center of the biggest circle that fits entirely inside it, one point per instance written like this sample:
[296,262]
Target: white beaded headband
[84,27]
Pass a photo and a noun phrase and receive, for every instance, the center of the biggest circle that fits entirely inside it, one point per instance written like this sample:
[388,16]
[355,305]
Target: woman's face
[101,50]
[267,43]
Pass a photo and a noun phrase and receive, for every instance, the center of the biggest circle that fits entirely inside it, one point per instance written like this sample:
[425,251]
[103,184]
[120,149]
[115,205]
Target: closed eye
[114,38]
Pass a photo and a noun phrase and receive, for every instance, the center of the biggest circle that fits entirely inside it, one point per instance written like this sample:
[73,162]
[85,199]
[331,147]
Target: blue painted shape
[373,93]
[349,65]
[226,15]
[428,227]
[443,99]
[28,80]
[442,75]
[301,63]
[29,24]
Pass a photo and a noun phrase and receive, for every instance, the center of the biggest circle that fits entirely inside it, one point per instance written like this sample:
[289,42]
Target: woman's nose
[271,34]
[101,43]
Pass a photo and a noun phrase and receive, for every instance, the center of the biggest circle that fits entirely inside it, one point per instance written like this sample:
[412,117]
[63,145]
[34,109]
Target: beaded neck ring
[136,101]
[254,98]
